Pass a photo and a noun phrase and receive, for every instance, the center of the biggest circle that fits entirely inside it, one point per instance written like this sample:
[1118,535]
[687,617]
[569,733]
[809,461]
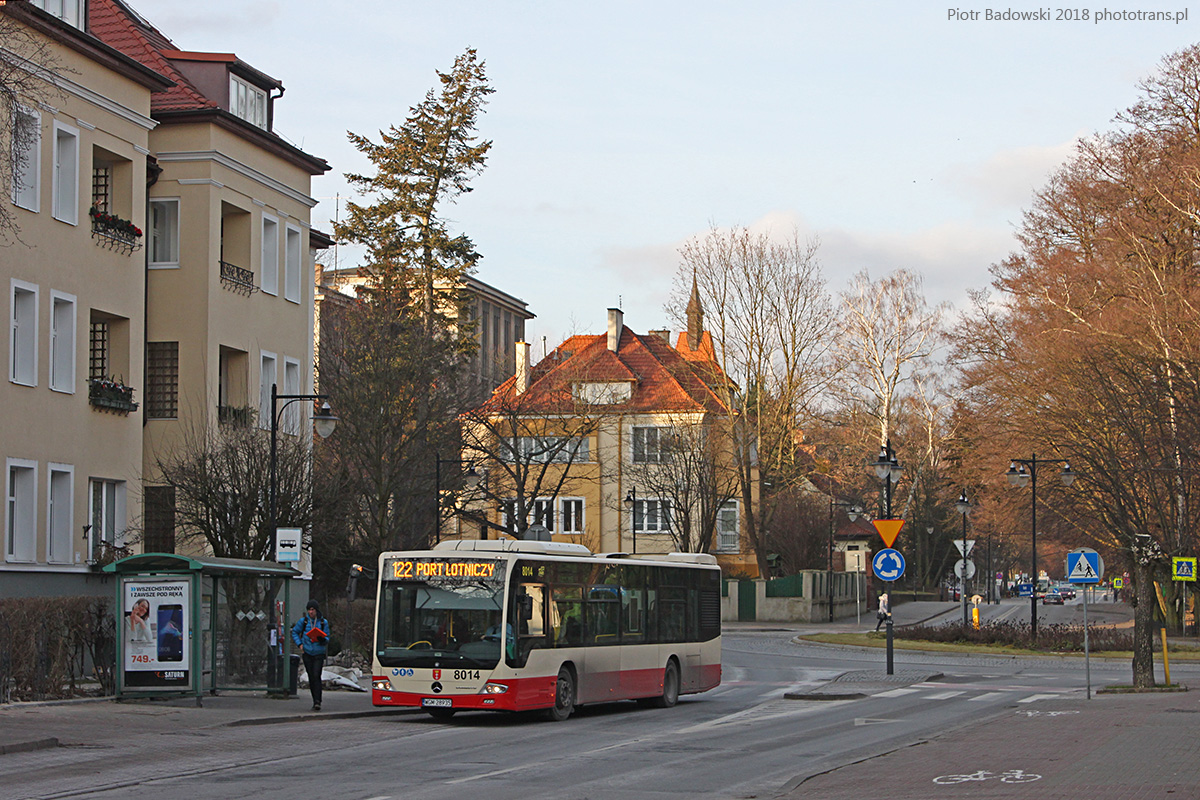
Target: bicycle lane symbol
[1009,776]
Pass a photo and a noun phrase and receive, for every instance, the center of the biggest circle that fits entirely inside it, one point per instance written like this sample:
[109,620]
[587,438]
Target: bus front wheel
[564,696]
[670,692]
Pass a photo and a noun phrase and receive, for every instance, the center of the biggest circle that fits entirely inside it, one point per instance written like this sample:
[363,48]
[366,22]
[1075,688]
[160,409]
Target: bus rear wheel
[564,696]
[670,692]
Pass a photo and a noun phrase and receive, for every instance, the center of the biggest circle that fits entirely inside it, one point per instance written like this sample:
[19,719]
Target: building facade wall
[55,524]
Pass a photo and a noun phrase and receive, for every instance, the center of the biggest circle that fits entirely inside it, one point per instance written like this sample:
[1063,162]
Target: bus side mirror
[526,606]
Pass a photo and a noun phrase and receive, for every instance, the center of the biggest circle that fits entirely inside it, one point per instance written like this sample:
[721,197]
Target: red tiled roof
[662,378]
[110,23]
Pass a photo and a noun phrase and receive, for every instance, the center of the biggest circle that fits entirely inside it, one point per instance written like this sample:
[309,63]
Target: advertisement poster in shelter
[156,614]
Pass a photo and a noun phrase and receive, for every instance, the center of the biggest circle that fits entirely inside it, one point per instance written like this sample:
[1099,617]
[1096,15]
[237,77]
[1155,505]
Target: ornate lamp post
[964,507]
[324,421]
[631,504]
[852,511]
[1020,472]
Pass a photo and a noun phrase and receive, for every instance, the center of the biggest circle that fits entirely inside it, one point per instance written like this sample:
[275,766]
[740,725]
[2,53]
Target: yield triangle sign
[888,529]
[964,546]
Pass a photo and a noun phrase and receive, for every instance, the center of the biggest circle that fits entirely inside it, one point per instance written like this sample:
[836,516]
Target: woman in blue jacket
[310,634]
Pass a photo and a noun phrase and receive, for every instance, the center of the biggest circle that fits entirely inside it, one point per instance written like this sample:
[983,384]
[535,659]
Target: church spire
[695,317]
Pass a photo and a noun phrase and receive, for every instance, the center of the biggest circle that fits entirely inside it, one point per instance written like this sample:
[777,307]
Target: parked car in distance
[1052,597]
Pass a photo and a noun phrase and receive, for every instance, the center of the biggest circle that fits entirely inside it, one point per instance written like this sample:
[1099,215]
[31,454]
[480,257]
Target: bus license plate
[435,702]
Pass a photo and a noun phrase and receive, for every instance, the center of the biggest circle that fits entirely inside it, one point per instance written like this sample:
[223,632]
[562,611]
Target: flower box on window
[109,230]
[112,394]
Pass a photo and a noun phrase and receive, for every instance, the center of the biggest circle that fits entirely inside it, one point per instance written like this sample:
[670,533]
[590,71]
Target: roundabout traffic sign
[888,564]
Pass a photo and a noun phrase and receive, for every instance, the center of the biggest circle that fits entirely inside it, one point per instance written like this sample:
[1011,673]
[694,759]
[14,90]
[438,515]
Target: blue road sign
[888,564]
[1183,569]
[1084,566]
[1025,590]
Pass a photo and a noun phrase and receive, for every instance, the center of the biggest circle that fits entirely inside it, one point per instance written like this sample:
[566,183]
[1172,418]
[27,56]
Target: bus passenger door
[530,631]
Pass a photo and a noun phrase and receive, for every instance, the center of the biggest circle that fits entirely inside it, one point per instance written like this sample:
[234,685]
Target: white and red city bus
[512,625]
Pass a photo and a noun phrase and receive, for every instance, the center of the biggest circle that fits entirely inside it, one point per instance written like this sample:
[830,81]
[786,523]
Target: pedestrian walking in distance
[310,634]
[885,610]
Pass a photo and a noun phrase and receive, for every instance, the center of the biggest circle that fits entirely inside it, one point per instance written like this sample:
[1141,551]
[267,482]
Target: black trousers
[313,665]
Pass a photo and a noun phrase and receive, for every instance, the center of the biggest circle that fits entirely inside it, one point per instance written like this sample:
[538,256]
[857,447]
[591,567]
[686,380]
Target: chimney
[522,374]
[616,322]
[665,335]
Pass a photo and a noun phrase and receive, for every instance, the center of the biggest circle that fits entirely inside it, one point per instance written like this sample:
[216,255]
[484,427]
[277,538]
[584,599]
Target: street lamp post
[471,478]
[888,469]
[964,507]
[324,421]
[852,511]
[631,504]
[1019,476]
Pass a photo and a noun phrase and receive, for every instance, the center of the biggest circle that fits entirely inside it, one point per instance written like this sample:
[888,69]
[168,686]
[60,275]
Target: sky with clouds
[896,134]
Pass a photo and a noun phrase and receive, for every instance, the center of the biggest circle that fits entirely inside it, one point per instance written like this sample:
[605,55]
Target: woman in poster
[139,622]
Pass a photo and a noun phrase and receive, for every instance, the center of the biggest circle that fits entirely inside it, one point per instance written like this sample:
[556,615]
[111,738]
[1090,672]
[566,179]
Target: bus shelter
[186,625]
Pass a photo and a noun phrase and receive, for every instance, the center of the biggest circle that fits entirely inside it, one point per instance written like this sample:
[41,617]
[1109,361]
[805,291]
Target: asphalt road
[741,740]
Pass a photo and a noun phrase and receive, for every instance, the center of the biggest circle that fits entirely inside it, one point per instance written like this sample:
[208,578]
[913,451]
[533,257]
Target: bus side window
[604,615]
[567,616]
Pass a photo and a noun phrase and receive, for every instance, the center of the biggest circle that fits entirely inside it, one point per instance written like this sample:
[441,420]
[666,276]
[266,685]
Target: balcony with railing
[114,233]
[235,415]
[111,395]
[237,279]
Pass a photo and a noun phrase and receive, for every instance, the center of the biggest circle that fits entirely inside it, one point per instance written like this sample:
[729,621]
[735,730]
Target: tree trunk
[1143,626]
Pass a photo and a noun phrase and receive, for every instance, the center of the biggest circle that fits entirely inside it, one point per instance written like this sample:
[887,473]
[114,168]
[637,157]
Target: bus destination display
[419,569]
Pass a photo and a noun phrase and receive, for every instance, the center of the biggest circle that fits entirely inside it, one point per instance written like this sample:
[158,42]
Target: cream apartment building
[198,314]
[72,448]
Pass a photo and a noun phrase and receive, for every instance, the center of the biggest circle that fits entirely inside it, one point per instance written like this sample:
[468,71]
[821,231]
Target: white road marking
[944,695]
[897,692]
[988,696]
[1033,698]
[868,721]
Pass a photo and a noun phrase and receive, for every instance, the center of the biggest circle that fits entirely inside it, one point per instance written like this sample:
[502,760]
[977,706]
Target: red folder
[316,634]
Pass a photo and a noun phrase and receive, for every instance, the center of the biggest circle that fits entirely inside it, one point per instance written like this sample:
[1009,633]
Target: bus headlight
[493,688]
[382,684]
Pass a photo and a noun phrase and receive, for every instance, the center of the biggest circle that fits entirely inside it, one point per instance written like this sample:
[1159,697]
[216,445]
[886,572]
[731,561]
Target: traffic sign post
[1085,566]
[888,565]
[1184,570]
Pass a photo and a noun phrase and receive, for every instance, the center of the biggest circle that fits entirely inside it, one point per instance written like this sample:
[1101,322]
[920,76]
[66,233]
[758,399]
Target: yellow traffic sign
[888,529]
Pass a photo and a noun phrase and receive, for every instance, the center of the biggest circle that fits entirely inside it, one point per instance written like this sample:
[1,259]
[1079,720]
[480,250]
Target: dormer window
[69,11]
[246,101]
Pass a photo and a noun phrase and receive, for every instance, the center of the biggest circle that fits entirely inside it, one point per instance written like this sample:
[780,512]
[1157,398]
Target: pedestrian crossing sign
[1084,566]
[1183,569]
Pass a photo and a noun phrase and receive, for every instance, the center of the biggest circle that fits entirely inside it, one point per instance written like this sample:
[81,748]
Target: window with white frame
[20,529]
[291,385]
[164,232]
[69,11]
[66,173]
[291,270]
[62,342]
[651,444]
[728,540]
[652,515]
[267,377]
[59,514]
[26,157]
[551,449]
[543,513]
[602,394]
[248,102]
[270,254]
[107,515]
[22,341]
[571,515]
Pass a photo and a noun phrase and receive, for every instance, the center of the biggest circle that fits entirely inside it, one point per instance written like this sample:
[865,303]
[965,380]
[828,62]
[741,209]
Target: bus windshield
[440,612]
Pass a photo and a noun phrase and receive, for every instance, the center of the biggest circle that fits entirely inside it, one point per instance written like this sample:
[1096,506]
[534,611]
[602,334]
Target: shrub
[50,647]
[1058,638]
